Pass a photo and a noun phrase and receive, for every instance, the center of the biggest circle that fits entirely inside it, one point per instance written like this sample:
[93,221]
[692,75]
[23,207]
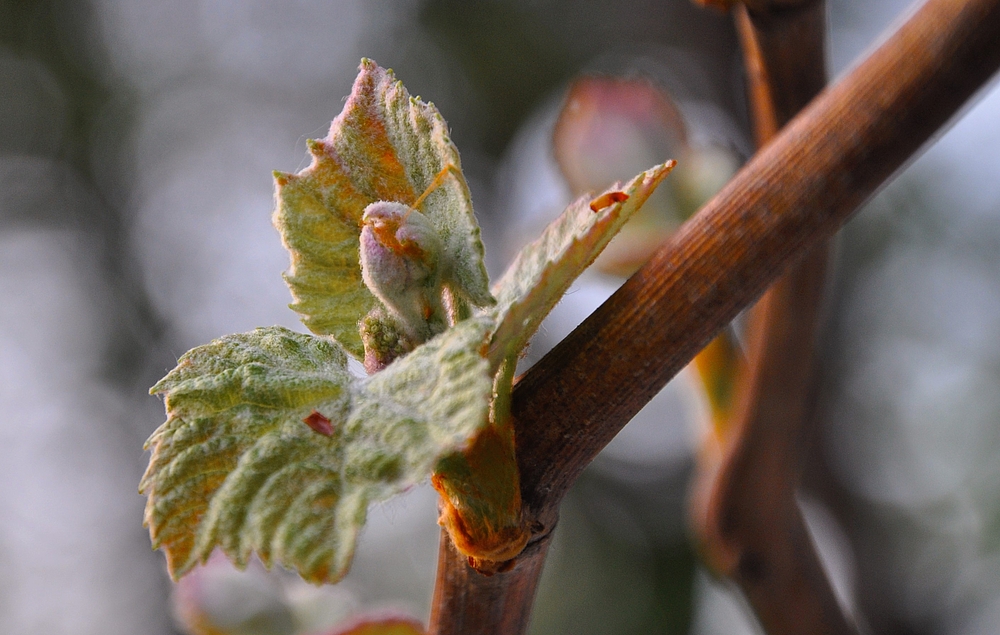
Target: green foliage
[272,447]
[544,269]
[384,146]
[236,466]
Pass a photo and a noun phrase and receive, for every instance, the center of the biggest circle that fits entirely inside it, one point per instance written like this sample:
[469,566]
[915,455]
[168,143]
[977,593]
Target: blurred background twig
[745,512]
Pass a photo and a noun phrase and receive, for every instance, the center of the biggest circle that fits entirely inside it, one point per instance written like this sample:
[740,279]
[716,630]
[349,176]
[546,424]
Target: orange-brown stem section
[481,500]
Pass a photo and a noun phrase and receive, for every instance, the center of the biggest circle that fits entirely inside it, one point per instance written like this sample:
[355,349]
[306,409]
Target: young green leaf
[545,268]
[272,447]
[237,465]
[221,399]
[384,146]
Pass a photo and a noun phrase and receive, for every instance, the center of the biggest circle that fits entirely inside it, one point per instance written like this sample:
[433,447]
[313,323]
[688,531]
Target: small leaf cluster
[272,447]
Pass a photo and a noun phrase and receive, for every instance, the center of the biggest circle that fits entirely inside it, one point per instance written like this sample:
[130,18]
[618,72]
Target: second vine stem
[744,512]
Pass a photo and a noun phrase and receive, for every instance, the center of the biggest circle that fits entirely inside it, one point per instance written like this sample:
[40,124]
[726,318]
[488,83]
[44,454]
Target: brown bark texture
[793,195]
[744,511]
[466,601]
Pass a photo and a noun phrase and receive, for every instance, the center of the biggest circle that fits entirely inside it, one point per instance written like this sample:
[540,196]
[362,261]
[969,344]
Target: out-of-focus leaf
[545,268]
[219,600]
[608,130]
[384,625]
[236,465]
[384,146]
[719,366]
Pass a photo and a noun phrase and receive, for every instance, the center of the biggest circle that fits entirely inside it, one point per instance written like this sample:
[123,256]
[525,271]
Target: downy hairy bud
[401,263]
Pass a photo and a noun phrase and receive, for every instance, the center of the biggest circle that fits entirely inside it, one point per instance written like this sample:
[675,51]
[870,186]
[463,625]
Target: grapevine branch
[794,194]
[744,510]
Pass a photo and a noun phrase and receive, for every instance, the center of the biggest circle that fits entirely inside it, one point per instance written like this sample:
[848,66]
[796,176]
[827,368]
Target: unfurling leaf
[544,269]
[238,464]
[384,146]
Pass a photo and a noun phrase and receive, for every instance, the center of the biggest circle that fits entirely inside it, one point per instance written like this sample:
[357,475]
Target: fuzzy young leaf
[384,146]
[221,400]
[544,269]
[236,465]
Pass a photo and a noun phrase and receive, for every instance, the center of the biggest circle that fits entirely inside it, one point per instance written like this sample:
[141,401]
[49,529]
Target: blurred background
[137,139]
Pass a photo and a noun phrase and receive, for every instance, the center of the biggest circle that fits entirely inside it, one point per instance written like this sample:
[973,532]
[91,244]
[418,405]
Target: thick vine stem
[468,602]
[794,194]
[744,511]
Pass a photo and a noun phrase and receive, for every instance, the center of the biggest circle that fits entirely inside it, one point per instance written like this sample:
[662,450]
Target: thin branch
[745,513]
[790,197]
[785,61]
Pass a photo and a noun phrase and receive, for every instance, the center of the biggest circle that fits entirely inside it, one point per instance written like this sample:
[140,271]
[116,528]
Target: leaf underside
[235,466]
[544,269]
[384,146]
